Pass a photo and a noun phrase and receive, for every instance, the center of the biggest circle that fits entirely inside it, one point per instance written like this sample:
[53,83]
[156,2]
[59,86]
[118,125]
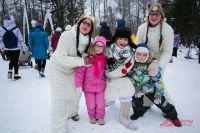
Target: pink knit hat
[100,39]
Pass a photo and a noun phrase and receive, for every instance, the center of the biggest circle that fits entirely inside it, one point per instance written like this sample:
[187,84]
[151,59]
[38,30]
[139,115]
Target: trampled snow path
[25,104]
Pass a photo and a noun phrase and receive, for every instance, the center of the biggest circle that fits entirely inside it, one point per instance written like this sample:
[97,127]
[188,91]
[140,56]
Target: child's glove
[84,55]
[153,68]
[138,94]
[89,60]
[157,99]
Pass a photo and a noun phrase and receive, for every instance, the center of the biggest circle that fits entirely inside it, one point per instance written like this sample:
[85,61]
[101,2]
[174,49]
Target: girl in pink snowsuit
[91,80]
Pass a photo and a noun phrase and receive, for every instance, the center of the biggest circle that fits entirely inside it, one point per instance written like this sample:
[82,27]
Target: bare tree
[4,7]
[99,3]
[105,9]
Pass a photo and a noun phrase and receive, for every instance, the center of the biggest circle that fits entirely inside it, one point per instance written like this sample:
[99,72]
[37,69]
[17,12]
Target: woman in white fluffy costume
[118,86]
[65,98]
[158,35]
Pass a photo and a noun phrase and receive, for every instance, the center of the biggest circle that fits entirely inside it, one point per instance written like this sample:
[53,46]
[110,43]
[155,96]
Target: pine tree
[66,11]
[186,19]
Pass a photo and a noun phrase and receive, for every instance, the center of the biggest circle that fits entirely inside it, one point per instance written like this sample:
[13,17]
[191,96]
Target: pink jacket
[92,78]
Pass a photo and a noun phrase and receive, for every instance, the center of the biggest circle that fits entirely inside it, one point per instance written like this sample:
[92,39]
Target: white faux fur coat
[65,98]
[164,53]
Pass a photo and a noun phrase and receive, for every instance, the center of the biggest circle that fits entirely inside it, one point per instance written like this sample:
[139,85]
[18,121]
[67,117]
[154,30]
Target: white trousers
[64,99]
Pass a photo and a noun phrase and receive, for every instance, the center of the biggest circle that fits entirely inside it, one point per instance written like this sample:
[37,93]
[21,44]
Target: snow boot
[41,72]
[16,76]
[10,74]
[138,108]
[101,122]
[176,122]
[93,120]
[171,114]
[124,116]
[75,118]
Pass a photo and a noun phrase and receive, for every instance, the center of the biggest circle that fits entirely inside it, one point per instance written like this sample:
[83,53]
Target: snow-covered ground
[25,104]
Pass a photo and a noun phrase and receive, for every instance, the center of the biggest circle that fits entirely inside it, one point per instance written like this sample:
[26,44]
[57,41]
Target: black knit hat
[122,32]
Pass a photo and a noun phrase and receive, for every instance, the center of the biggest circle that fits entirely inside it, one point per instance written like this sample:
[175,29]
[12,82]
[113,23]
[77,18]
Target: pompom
[128,64]
[124,71]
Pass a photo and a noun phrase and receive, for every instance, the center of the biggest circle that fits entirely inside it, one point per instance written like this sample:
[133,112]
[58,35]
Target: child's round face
[141,57]
[122,42]
[98,48]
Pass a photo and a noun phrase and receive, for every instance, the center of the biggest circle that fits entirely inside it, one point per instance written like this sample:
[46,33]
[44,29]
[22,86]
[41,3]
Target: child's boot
[93,120]
[138,108]
[171,114]
[124,116]
[101,122]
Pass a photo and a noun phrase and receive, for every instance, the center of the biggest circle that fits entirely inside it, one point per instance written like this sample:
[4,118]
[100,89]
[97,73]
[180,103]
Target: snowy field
[25,104]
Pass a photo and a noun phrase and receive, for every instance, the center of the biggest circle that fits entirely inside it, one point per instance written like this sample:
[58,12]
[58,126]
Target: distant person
[120,23]
[55,38]
[105,31]
[39,43]
[177,40]
[11,41]
[33,24]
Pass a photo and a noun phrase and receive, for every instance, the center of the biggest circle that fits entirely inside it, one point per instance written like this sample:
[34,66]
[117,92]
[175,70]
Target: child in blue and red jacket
[149,85]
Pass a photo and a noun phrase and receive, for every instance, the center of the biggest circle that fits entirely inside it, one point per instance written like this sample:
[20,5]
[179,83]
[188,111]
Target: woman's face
[141,57]
[154,18]
[122,42]
[85,26]
[98,48]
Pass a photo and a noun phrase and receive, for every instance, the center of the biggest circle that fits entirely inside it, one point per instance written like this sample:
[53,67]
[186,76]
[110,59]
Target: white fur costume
[65,98]
[163,54]
[120,86]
